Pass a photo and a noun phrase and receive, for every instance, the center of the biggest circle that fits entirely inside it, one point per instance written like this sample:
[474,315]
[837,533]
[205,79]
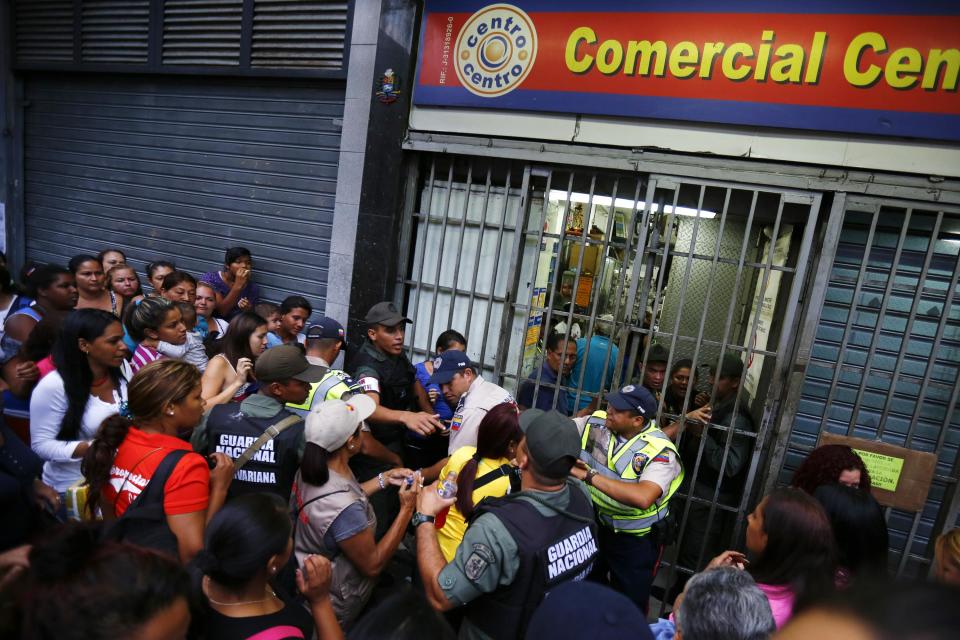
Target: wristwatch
[590,474]
[421,518]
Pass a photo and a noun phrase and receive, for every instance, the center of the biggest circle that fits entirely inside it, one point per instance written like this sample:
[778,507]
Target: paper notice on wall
[884,470]
[766,306]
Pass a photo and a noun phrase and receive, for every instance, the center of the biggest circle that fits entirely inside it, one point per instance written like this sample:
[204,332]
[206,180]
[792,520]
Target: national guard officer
[385,374]
[632,470]
[285,376]
[324,340]
[519,547]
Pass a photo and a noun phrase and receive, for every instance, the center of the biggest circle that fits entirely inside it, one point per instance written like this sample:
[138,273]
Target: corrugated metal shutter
[182,169]
[44,31]
[115,31]
[298,34]
[203,32]
[885,361]
[257,37]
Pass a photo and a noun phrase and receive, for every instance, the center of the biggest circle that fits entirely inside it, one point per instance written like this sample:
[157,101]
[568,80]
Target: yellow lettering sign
[884,470]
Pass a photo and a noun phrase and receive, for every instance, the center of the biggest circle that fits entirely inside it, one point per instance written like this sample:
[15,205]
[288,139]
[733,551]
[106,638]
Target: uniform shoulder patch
[480,558]
[639,462]
[369,384]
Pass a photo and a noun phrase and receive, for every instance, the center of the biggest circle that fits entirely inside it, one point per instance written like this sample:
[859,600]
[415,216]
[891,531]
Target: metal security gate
[181,168]
[505,252]
[880,359]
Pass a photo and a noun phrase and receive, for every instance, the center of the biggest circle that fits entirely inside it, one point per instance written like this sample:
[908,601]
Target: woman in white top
[69,404]
[229,374]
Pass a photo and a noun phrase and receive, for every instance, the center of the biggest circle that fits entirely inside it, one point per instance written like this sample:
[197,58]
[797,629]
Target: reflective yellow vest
[626,463]
[332,386]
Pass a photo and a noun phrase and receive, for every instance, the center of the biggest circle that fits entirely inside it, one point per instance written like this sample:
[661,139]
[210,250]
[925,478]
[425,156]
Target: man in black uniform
[381,369]
[519,547]
[284,376]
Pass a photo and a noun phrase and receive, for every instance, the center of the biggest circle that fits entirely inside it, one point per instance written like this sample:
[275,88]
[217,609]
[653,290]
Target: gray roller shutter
[182,168]
[885,361]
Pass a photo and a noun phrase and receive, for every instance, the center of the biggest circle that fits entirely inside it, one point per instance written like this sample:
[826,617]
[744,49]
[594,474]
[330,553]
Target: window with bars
[507,252]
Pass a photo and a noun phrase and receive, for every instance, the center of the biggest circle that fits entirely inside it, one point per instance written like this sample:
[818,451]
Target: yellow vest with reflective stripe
[626,463]
[330,387]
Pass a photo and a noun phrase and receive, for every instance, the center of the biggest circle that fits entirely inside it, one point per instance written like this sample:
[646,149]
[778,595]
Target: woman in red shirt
[164,399]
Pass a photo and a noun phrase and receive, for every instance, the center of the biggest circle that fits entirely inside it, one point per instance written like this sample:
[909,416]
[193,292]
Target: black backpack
[144,523]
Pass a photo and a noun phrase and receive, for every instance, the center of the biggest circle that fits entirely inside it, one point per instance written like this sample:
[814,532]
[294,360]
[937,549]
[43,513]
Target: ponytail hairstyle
[80,587]
[242,537]
[497,431]
[42,277]
[149,314]
[74,367]
[154,387]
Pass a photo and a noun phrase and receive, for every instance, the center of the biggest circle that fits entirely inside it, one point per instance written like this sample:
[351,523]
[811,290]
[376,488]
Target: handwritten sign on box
[900,477]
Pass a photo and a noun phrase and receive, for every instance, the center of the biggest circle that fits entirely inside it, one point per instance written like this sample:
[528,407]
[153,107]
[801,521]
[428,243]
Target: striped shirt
[143,356]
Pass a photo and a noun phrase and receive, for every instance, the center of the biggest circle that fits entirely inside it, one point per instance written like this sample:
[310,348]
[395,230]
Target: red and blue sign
[877,68]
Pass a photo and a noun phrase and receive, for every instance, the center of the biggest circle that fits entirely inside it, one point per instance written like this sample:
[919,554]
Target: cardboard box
[900,477]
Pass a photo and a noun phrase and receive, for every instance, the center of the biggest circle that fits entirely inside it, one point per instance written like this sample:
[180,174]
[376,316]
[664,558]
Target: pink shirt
[780,597]
[143,356]
[46,366]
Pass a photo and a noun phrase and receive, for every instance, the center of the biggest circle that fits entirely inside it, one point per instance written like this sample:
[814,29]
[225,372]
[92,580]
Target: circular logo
[495,50]
[628,389]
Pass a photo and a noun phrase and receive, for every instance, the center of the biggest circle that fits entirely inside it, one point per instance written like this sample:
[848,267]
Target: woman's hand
[242,278]
[243,304]
[244,367]
[222,474]
[13,564]
[313,579]
[729,559]
[397,477]
[28,371]
[45,495]
[430,503]
[409,494]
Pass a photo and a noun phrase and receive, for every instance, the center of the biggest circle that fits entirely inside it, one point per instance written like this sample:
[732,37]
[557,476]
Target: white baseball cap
[331,423]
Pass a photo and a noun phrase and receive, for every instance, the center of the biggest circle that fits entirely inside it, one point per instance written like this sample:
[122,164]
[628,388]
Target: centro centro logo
[495,50]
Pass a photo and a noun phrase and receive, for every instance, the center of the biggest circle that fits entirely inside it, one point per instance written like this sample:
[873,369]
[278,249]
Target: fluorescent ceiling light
[622,203]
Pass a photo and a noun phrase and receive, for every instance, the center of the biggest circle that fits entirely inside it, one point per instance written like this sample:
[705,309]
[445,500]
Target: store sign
[881,68]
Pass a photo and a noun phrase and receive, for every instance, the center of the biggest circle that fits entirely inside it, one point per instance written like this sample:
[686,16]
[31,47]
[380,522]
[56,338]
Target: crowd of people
[181,459]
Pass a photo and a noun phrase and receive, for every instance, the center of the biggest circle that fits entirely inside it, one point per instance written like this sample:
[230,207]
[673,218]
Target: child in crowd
[271,313]
[294,313]
[192,350]
[149,323]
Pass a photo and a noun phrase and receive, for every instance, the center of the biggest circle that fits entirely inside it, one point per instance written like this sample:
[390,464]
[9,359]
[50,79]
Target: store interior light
[557,195]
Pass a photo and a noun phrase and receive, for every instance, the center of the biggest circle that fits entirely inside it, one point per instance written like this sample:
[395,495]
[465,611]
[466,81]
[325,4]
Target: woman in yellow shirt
[482,472]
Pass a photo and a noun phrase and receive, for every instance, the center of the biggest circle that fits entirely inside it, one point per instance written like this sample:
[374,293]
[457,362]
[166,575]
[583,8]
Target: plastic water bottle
[448,488]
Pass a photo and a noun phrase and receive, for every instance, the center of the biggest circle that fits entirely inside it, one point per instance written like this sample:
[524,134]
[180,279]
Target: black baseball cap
[448,364]
[326,328]
[385,313]
[287,361]
[658,353]
[636,398]
[731,366]
[552,440]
